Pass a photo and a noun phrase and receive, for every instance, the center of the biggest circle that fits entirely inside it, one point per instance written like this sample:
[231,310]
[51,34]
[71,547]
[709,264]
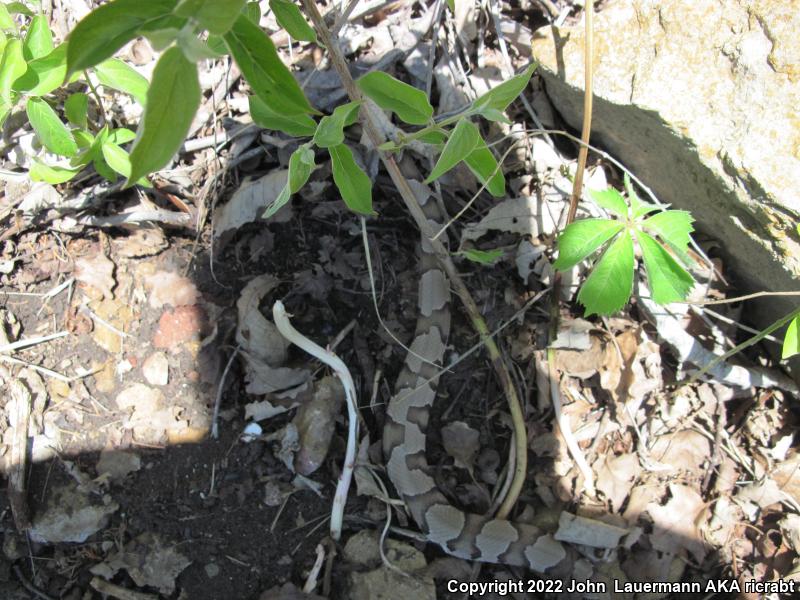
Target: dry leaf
[141,242]
[615,477]
[676,523]
[316,422]
[257,335]
[96,272]
[683,450]
[248,204]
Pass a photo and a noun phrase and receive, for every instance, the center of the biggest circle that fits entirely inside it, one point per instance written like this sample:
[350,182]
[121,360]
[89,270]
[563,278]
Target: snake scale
[461,534]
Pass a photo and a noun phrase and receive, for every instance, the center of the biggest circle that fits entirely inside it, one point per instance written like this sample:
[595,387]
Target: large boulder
[700,100]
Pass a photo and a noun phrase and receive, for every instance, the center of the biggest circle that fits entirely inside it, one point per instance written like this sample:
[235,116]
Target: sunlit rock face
[701,101]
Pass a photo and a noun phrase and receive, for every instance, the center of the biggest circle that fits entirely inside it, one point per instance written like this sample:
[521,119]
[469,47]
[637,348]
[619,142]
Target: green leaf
[253,12]
[611,200]
[52,133]
[263,69]
[407,102]
[44,74]
[484,257]
[582,238]
[673,226]
[638,208]
[669,282]
[462,141]
[83,139]
[102,168]
[791,341]
[610,283]
[217,45]
[172,102]
[492,114]
[76,107]
[12,66]
[117,159]
[504,94]
[106,29]
[435,138]
[291,19]
[330,131]
[119,75]
[299,125]
[301,165]
[18,8]
[52,175]
[121,136]
[161,39]
[353,184]
[217,16]
[483,165]
[38,40]
[6,22]
[452,5]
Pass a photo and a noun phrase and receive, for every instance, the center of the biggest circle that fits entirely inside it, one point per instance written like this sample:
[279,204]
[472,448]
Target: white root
[340,369]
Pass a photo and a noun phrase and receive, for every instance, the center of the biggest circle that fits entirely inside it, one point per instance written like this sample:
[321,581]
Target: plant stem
[443,257]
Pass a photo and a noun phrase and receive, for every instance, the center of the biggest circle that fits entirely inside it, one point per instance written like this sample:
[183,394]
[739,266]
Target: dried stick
[442,255]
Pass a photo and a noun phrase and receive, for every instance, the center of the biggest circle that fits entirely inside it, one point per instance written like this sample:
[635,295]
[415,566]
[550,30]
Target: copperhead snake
[461,534]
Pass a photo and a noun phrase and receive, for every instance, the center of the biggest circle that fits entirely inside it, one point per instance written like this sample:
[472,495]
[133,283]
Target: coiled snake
[458,533]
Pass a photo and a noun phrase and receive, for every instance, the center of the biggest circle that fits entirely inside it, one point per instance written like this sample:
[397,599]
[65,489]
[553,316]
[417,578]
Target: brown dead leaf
[686,450]
[166,287]
[585,363]
[141,242]
[316,422]
[615,477]
[96,272]
[787,475]
[676,524]
[258,336]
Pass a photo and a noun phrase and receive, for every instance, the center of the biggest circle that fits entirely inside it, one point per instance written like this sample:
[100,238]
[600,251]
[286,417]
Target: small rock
[178,326]
[156,369]
[118,464]
[69,517]
[212,570]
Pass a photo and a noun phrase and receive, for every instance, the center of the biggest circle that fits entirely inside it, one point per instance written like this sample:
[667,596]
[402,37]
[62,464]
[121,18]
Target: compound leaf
[611,200]
[669,282]
[610,283]
[582,239]
[672,226]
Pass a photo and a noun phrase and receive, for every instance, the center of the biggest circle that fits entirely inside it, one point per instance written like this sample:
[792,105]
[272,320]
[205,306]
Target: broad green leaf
[52,133]
[161,39]
[291,19]
[194,48]
[217,45]
[435,138]
[44,74]
[611,200]
[638,208]
[172,101]
[119,75]
[504,94]
[263,69]
[410,104]
[672,226]
[462,141]
[117,159]
[107,28]
[3,41]
[330,131]
[38,40]
[791,341]
[76,107]
[610,283]
[484,166]
[6,22]
[669,282]
[452,5]
[102,168]
[253,12]
[582,238]
[217,16]
[50,174]
[485,257]
[18,8]
[492,114]
[299,125]
[12,66]
[301,164]
[353,184]
[83,139]
[121,136]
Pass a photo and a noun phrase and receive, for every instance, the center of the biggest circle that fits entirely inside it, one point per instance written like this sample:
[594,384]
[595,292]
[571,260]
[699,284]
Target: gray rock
[699,100]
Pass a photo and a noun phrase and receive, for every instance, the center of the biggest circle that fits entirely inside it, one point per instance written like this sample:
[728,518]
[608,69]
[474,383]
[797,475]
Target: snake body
[458,533]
